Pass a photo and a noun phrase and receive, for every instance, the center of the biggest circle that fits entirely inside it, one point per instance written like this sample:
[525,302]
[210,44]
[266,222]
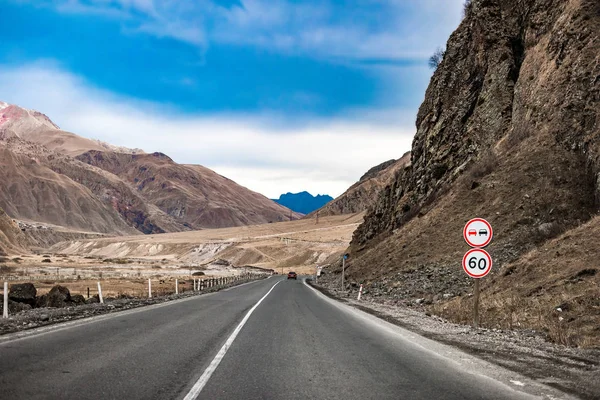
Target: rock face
[22,293]
[509,130]
[364,194]
[512,70]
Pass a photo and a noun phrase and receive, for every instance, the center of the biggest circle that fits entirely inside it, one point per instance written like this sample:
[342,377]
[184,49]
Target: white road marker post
[5,309]
[176,286]
[100,294]
[149,288]
[360,292]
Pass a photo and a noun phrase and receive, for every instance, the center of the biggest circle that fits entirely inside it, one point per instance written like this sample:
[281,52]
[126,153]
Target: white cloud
[321,156]
[386,29]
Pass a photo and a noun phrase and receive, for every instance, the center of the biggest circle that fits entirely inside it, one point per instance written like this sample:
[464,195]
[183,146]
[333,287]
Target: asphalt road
[296,344]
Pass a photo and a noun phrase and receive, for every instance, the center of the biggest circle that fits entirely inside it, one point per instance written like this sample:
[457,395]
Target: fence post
[176,286]
[149,288]
[195,285]
[100,294]
[360,292]
[5,310]
[88,292]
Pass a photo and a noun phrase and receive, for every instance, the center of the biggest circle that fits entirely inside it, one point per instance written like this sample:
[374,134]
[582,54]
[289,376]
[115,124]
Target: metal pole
[360,292]
[149,288]
[5,310]
[176,286]
[343,268]
[476,304]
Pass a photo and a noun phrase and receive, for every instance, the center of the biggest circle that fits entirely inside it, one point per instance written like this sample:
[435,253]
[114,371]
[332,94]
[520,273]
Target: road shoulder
[569,370]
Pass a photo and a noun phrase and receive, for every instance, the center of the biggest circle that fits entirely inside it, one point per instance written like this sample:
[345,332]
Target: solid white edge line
[203,380]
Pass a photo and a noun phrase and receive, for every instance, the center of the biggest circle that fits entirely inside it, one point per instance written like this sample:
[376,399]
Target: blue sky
[277,95]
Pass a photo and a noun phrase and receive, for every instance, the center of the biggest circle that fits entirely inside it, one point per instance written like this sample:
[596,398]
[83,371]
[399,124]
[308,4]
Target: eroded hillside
[508,131]
[364,193]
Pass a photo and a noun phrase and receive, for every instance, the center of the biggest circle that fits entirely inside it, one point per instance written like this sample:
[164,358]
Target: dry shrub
[485,165]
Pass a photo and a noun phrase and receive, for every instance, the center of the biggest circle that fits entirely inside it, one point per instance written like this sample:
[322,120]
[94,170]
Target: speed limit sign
[477,263]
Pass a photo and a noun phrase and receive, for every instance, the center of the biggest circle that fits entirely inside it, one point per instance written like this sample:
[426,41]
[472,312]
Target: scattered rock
[77,299]
[59,296]
[22,293]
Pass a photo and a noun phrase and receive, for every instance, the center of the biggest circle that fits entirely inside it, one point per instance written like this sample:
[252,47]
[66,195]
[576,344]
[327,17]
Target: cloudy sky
[278,95]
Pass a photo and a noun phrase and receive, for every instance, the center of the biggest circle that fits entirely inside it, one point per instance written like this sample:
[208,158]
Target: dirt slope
[298,244]
[12,240]
[363,194]
[508,131]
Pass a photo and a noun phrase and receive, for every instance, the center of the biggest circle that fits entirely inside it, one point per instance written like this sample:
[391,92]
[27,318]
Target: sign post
[477,262]
[344,267]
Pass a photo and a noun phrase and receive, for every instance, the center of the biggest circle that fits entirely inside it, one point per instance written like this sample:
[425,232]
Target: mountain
[509,131]
[303,202]
[364,193]
[12,240]
[56,177]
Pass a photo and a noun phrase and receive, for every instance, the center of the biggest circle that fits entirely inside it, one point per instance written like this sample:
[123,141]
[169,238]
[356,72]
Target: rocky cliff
[364,194]
[508,131]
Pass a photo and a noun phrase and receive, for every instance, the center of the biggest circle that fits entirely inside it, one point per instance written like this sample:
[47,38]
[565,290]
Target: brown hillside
[363,194]
[12,240]
[116,190]
[194,195]
[508,131]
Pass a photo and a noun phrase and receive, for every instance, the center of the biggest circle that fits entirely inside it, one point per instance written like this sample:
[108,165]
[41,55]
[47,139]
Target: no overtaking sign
[478,233]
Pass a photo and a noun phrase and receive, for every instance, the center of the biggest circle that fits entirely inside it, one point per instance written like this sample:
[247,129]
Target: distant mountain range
[55,177]
[303,202]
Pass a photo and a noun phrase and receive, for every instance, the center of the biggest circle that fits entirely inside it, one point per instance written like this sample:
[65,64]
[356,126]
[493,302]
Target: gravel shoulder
[572,370]
[39,317]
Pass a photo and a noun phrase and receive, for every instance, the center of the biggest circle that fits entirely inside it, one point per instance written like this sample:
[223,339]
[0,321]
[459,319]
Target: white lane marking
[199,385]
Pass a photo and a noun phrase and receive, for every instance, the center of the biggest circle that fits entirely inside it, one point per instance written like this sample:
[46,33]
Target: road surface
[293,344]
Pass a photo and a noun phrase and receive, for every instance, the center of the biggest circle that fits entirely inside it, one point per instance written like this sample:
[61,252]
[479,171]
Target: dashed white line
[203,380]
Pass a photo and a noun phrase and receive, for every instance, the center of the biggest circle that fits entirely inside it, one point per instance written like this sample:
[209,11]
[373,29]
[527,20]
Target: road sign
[346,256]
[477,263]
[478,232]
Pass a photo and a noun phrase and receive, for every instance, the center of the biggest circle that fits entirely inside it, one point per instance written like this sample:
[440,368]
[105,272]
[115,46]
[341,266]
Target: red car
[292,275]
[472,232]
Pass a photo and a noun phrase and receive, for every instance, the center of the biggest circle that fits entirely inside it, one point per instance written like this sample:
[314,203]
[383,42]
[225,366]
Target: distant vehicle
[482,232]
[292,275]
[472,232]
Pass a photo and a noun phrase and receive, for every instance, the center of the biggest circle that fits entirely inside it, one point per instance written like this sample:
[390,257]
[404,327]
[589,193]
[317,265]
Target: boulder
[77,299]
[22,293]
[41,301]
[13,306]
[59,296]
